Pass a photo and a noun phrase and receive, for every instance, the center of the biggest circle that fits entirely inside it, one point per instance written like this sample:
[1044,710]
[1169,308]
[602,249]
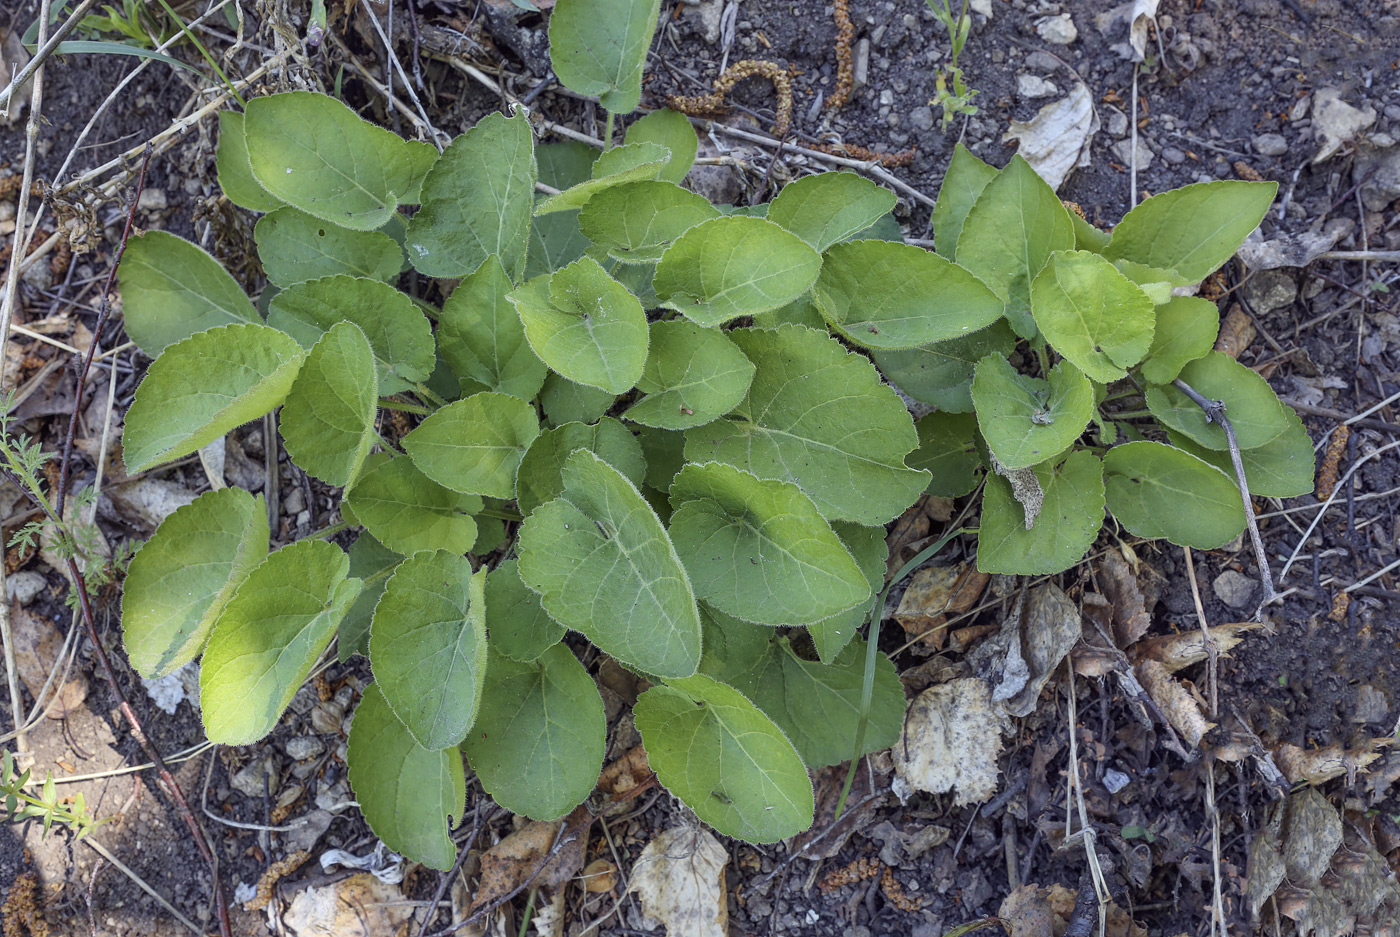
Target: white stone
[1033,86]
[1057,30]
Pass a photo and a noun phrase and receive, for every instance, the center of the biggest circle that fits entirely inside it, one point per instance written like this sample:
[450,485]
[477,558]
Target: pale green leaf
[1157,491]
[1086,236]
[180,579]
[427,645]
[480,335]
[172,289]
[540,477]
[410,797]
[563,401]
[636,222]
[885,295]
[1027,420]
[1069,519]
[1251,406]
[818,416]
[605,566]
[693,375]
[948,451]
[718,752]
[474,445]
[538,742]
[269,636]
[940,374]
[672,130]
[565,163]
[734,266]
[867,545]
[368,560]
[801,311]
[204,386]
[599,47]
[519,626]
[967,176]
[407,512]
[1092,314]
[328,420]
[1156,284]
[231,164]
[295,246]
[828,207]
[1186,329]
[631,162]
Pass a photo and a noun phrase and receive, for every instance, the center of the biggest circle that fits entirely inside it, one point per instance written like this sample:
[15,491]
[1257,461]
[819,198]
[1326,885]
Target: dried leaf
[1335,122]
[359,906]
[1026,913]
[599,875]
[1297,250]
[1312,832]
[1175,651]
[679,878]
[1057,139]
[1266,866]
[934,593]
[951,740]
[1319,765]
[1175,702]
[517,859]
[147,501]
[911,527]
[38,652]
[1236,332]
[1119,584]
[626,773]
[1051,627]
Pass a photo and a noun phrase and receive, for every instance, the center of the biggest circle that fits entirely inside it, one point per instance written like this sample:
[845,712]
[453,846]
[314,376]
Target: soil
[1227,90]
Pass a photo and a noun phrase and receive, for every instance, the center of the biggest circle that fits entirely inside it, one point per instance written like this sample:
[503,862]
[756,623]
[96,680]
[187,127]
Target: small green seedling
[951,93]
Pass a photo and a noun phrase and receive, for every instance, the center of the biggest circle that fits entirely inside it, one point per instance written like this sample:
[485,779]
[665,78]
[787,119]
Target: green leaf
[1086,236]
[1186,330]
[474,445]
[1026,420]
[725,759]
[172,289]
[940,374]
[672,130]
[410,796]
[632,162]
[311,151]
[428,646]
[368,558]
[1157,491]
[828,207]
[734,266]
[585,325]
[605,566]
[269,636]
[480,335]
[538,742]
[204,386]
[1069,519]
[967,176]
[1284,467]
[540,478]
[948,451]
[636,222]
[565,163]
[692,376]
[397,330]
[818,416]
[477,201]
[884,295]
[180,579]
[599,47]
[295,246]
[867,545]
[759,550]
[231,164]
[328,419]
[1092,314]
[801,311]
[1192,230]
[1156,284]
[555,242]
[519,627]
[664,450]
[1015,225]
[563,401]
[407,512]
[1251,406]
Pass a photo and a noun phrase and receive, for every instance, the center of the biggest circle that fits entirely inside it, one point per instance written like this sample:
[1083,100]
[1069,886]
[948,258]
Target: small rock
[294,503]
[310,828]
[1270,144]
[1117,122]
[1033,86]
[1371,705]
[1042,61]
[258,778]
[886,97]
[982,6]
[1173,155]
[1392,112]
[1123,149]
[326,717]
[710,13]
[7,209]
[1234,589]
[24,587]
[922,118]
[861,70]
[1268,290]
[304,747]
[152,199]
[1057,30]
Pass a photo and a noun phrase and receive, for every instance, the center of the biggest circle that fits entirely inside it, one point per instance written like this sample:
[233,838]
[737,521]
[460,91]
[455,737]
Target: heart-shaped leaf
[482,339]
[520,629]
[1283,467]
[1069,519]
[1157,491]
[1251,406]
[234,172]
[1026,420]
[637,221]
[672,130]
[631,162]
[474,445]
[940,374]
[967,176]
[1186,329]
[172,289]
[295,246]
[1092,314]
[828,207]
[540,478]
[328,419]
[693,375]
[407,512]
[599,47]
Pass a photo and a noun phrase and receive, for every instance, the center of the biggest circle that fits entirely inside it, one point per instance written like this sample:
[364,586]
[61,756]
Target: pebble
[304,747]
[861,76]
[1173,155]
[1392,112]
[922,118]
[1057,30]
[1042,61]
[7,211]
[250,781]
[1270,144]
[152,199]
[25,586]
[1117,123]
[1123,149]
[326,717]
[1268,290]
[886,97]
[1232,588]
[1033,86]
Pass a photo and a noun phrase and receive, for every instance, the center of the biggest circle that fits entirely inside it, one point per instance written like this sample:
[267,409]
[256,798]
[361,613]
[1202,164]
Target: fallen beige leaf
[1057,139]
[1335,122]
[1175,702]
[679,879]
[951,740]
[359,906]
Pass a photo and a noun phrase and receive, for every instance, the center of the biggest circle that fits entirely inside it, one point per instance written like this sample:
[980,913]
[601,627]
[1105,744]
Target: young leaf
[368,558]
[692,376]
[408,512]
[940,374]
[180,580]
[734,266]
[632,162]
[540,478]
[204,386]
[636,222]
[295,246]
[828,207]
[477,201]
[427,644]
[1192,230]
[1186,329]
[948,451]
[397,330]
[966,178]
[725,759]
[759,550]
[268,638]
[818,416]
[867,545]
[538,742]
[605,566]
[172,289]
[1156,284]
[1069,520]
[311,151]
[519,627]
[563,401]
[884,295]
[585,325]
[672,130]
[406,792]
[599,47]
[1092,314]
[328,419]
[1026,420]
[1157,491]
[480,335]
[1015,225]
[231,164]
[1251,406]
[474,445]
[1281,468]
